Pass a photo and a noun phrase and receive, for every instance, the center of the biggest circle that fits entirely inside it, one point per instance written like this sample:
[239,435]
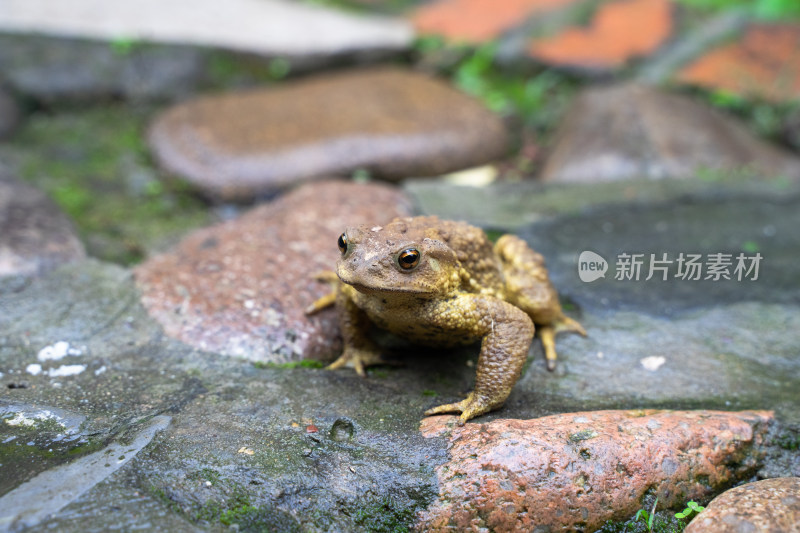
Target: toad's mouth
[377,289]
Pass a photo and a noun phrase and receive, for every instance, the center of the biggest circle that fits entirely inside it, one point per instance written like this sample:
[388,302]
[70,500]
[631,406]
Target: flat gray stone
[394,123]
[35,236]
[268,448]
[512,206]
[49,492]
[633,131]
[678,342]
[271,27]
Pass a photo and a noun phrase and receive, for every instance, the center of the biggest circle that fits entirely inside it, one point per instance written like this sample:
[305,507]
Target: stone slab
[272,27]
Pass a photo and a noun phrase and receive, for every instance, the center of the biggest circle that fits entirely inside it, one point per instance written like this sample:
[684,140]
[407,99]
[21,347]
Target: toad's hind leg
[528,287]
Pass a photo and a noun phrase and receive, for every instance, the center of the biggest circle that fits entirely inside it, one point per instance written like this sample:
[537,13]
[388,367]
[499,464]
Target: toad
[443,283]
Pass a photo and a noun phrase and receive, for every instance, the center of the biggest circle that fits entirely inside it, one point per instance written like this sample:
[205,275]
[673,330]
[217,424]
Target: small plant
[123,46]
[651,521]
[645,517]
[691,507]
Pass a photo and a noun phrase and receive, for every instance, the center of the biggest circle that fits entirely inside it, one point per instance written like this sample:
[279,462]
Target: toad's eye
[342,242]
[408,258]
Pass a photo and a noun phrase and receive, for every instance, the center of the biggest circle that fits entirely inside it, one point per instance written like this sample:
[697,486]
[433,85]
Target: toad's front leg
[359,351]
[507,333]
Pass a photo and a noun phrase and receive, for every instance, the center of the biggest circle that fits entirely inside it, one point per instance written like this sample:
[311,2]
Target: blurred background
[83,81]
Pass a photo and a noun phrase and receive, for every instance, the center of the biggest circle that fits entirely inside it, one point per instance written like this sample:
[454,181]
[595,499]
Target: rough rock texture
[628,131]
[391,122]
[577,470]
[241,287]
[619,32]
[299,449]
[35,236]
[764,63]
[9,113]
[477,21]
[766,506]
[273,27]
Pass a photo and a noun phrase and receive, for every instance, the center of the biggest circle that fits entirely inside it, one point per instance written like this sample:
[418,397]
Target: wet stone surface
[307,449]
[35,236]
[681,342]
[390,122]
[276,448]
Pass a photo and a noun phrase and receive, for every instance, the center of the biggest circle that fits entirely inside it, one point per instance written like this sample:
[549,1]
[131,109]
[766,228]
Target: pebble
[393,123]
[766,506]
[635,131]
[35,236]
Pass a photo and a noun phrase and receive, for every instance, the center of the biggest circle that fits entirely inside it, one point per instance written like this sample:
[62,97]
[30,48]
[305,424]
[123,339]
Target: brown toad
[443,283]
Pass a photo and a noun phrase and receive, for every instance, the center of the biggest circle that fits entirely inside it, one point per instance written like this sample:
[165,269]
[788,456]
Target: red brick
[619,32]
[574,471]
[764,63]
[477,21]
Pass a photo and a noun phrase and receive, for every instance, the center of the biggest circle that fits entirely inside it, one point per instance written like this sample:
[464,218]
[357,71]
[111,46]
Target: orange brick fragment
[764,63]
[477,21]
[619,32]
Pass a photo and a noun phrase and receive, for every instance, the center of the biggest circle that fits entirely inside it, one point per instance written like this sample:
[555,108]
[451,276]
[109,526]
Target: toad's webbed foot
[358,359]
[470,407]
[548,336]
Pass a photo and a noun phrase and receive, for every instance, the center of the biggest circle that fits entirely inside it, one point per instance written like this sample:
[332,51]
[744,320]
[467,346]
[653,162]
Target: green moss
[35,449]
[305,363]
[236,508]
[789,439]
[95,166]
[386,515]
